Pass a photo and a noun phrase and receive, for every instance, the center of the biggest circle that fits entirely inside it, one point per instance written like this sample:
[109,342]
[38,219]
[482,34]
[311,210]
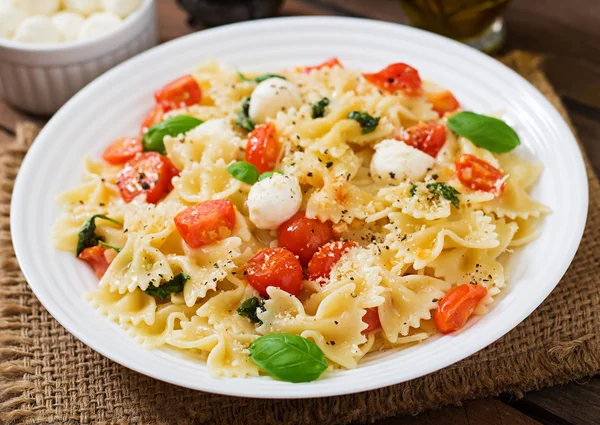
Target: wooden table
[567,33]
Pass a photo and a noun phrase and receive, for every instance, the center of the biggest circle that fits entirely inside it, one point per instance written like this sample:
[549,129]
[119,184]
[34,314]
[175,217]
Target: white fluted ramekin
[41,78]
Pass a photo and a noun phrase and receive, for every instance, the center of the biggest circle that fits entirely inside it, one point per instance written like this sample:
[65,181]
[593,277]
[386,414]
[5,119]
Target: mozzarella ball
[37,29]
[85,7]
[69,24]
[98,24]
[271,96]
[10,18]
[37,7]
[274,200]
[122,8]
[396,161]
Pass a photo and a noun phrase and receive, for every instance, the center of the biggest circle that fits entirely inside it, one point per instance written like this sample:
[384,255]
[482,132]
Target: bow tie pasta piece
[132,308]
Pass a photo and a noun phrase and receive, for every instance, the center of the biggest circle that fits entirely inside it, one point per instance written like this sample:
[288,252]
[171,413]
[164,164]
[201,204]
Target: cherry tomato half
[95,257]
[427,137]
[443,102]
[154,117]
[262,149]
[397,76]
[180,93]
[327,64]
[122,150]
[371,318]
[304,236]
[206,222]
[457,306]
[274,267]
[326,257]
[477,174]
[148,173]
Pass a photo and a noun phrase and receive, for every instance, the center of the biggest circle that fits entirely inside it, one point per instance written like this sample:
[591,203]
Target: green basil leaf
[249,309]
[173,286]
[268,174]
[109,246]
[486,132]
[153,139]
[366,121]
[318,109]
[260,78]
[446,191]
[243,119]
[87,237]
[243,171]
[288,357]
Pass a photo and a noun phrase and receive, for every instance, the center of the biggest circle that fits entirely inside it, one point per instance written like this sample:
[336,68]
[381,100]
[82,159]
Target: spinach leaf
[173,286]
[366,121]
[486,132]
[260,78]
[268,174]
[249,309]
[243,119]
[244,171]
[153,139]
[87,236]
[288,357]
[446,191]
[109,246]
[318,109]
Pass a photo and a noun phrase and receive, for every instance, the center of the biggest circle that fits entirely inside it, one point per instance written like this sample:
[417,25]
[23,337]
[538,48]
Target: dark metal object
[220,12]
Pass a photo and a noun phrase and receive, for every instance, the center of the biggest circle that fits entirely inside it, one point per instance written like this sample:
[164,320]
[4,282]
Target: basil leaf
[243,171]
[109,246]
[318,109]
[243,119]
[486,132]
[260,78]
[87,237]
[446,191]
[366,121]
[173,286]
[268,174]
[288,357]
[249,309]
[153,139]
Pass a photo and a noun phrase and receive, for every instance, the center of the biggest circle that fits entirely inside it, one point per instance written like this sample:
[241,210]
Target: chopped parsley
[413,189]
[243,119]
[173,286]
[366,121]
[249,309]
[318,109]
[260,78]
[446,191]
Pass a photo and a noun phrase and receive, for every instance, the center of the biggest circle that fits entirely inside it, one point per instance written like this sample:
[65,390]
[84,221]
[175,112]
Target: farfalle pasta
[292,223]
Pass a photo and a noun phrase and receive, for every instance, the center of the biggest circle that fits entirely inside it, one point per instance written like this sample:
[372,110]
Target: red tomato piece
[262,149]
[122,150]
[457,306]
[427,137]
[371,318]
[274,267]
[477,174]
[148,173]
[206,223]
[443,102]
[304,236]
[180,93]
[154,117]
[398,76]
[327,64]
[95,257]
[326,257]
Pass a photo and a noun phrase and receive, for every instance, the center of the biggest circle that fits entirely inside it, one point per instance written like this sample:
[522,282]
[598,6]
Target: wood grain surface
[567,34]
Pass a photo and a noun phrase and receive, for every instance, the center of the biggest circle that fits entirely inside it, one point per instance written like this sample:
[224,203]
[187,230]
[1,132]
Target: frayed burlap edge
[27,395]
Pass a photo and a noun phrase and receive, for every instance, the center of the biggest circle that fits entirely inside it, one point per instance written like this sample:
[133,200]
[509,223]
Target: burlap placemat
[47,376]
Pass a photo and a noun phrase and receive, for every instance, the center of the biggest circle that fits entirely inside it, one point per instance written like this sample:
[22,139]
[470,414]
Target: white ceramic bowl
[115,104]
[40,78]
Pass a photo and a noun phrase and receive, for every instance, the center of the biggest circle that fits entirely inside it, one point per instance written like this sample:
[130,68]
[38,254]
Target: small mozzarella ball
[69,24]
[98,24]
[10,18]
[37,29]
[37,7]
[274,200]
[122,8]
[271,96]
[395,161]
[85,7]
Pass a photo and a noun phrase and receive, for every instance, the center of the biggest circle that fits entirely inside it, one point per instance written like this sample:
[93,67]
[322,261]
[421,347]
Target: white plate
[115,103]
